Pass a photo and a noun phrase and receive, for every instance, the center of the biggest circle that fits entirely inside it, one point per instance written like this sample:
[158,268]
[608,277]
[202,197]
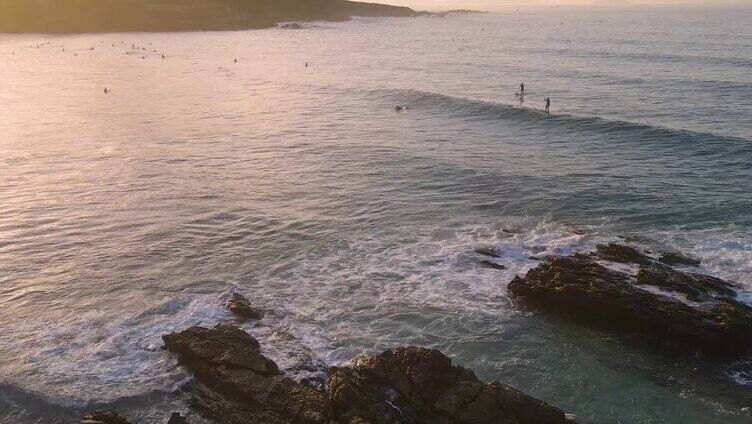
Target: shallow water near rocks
[132,214]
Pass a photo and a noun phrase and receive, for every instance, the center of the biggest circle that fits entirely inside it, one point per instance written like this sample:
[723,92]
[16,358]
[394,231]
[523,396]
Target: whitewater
[127,215]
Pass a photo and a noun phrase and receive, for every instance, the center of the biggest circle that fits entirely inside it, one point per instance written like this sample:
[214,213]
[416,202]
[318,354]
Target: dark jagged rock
[222,349]
[104,417]
[176,418]
[239,305]
[697,287]
[675,258]
[220,409]
[493,265]
[229,360]
[621,253]
[407,385]
[491,252]
[361,395]
[419,385]
[578,287]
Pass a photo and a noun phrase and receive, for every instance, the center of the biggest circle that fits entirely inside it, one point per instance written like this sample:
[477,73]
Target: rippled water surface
[127,215]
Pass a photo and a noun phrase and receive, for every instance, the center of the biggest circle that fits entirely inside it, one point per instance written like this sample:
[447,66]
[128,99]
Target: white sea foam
[106,358]
[99,357]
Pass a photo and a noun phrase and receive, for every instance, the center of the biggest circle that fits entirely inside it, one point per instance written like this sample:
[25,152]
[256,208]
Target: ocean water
[127,215]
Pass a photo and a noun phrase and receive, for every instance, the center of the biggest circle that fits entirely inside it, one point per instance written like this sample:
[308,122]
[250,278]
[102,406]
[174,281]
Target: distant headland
[93,16]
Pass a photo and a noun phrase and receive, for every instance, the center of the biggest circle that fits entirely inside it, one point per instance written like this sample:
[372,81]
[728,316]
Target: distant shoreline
[112,16]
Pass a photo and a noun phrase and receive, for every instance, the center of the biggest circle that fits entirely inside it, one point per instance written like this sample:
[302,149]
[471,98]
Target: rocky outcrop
[218,408]
[491,252]
[621,253]
[229,360]
[419,385]
[239,305]
[709,320]
[407,385]
[104,417]
[696,287]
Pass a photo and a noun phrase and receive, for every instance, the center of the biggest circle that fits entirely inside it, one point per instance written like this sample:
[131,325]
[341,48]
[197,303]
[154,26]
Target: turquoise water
[128,215]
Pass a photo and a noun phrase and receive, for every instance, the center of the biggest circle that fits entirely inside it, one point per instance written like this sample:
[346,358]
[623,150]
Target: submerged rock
[493,265]
[407,385]
[104,417]
[675,258]
[239,305]
[491,252]
[578,287]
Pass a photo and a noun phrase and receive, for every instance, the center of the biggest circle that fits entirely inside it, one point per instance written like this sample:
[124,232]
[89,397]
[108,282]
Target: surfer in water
[522,89]
[548,103]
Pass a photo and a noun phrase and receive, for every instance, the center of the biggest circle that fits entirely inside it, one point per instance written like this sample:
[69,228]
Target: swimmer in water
[548,103]
[522,89]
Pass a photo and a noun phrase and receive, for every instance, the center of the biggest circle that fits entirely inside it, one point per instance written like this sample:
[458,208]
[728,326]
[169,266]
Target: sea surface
[127,215]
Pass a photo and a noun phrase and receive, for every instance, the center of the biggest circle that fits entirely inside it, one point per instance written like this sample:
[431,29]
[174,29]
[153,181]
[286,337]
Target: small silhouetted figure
[522,89]
[236,60]
[399,108]
[162,55]
[92,48]
[548,103]
[306,64]
[106,90]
